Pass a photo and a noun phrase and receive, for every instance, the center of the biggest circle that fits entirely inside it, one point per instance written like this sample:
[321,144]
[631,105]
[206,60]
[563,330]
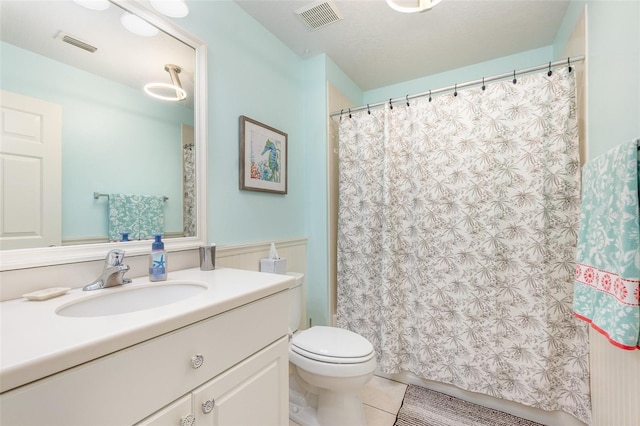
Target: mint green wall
[114,139]
[318,71]
[613,74]
[566,28]
[343,83]
[613,70]
[473,72]
[251,73]
[316,223]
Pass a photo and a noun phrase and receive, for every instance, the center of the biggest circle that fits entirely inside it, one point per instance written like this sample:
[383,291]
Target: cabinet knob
[197,361]
[188,420]
[207,406]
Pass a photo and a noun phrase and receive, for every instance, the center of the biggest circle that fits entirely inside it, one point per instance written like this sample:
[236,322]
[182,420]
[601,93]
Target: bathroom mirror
[115,138]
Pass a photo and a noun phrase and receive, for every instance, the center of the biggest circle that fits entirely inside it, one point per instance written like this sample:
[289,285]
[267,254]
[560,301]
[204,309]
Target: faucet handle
[114,258]
[112,273]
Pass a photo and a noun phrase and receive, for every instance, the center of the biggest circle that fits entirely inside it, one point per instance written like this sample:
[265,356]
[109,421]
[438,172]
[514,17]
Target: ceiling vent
[74,41]
[319,14]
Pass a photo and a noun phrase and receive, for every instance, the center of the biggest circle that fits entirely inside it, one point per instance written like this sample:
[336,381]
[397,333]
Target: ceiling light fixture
[412,6]
[171,8]
[137,25]
[166,91]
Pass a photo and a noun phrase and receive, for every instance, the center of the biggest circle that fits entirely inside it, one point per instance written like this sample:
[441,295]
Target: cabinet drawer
[126,386]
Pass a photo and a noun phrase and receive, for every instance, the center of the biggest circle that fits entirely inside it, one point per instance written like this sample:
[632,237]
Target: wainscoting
[247,256]
[615,383]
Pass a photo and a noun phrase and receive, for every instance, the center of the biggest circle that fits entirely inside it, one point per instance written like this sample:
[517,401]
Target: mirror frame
[49,256]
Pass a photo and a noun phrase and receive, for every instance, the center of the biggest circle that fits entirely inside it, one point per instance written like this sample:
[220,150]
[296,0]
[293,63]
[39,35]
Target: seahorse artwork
[270,170]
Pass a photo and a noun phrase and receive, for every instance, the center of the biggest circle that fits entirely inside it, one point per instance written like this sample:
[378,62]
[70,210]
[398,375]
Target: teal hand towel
[606,289]
[139,215]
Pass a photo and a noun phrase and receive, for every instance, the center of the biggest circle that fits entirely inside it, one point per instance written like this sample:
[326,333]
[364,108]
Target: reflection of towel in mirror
[139,215]
[607,286]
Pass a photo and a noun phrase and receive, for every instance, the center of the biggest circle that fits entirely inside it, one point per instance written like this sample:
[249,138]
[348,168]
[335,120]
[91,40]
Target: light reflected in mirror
[108,136]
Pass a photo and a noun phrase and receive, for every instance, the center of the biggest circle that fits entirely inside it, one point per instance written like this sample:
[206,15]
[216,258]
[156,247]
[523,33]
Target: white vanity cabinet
[250,393]
[238,360]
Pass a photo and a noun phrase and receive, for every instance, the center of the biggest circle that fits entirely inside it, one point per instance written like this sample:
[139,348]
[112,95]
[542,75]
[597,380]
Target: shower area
[456,227]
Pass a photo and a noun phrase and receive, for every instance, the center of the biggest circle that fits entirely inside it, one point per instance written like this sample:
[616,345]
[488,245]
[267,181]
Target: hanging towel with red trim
[607,290]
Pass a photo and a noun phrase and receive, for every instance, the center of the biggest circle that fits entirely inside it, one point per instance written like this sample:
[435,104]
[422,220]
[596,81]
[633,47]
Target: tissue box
[276,266]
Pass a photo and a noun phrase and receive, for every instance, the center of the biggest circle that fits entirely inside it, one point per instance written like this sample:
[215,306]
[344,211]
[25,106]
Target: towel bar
[97,195]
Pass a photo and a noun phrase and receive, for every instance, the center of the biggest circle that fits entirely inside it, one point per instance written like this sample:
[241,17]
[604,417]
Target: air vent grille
[74,41]
[319,14]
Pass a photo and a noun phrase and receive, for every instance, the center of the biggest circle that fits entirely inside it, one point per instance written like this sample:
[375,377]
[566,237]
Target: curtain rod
[455,87]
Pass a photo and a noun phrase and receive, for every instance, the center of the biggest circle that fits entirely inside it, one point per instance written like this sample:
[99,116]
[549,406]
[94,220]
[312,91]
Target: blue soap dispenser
[157,260]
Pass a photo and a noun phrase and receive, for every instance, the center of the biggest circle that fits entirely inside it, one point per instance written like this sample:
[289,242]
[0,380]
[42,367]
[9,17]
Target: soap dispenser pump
[157,260]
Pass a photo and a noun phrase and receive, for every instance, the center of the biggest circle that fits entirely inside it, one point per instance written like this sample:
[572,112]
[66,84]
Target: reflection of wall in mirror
[115,139]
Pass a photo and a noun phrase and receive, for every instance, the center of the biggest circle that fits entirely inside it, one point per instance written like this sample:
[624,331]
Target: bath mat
[424,407]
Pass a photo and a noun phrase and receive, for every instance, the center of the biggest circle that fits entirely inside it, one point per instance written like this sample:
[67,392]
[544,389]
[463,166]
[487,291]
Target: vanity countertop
[35,342]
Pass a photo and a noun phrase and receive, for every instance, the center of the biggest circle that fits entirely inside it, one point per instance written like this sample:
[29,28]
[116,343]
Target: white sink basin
[114,301]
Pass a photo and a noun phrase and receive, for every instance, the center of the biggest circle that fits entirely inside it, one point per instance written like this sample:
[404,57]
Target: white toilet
[328,368]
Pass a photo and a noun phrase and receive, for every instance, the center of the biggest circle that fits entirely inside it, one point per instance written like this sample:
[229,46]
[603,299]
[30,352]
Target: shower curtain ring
[483,86]
[569,64]
[368,110]
[408,100]
[550,72]
[390,104]
[455,90]
[429,95]
[349,112]
[341,114]
[514,77]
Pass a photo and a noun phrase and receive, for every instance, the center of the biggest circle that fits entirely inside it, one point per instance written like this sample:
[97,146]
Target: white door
[30,172]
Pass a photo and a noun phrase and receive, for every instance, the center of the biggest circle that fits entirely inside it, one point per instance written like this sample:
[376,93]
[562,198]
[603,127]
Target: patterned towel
[140,215]
[607,291]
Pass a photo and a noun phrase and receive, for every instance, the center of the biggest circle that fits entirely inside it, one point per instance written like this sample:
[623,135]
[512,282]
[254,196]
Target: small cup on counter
[208,257]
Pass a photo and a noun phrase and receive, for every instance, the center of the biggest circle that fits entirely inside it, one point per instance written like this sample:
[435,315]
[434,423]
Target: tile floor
[382,399]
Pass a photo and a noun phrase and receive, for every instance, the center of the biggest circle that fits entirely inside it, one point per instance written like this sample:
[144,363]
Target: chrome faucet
[112,273]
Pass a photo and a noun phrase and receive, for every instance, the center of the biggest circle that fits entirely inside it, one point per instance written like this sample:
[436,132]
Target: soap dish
[47,293]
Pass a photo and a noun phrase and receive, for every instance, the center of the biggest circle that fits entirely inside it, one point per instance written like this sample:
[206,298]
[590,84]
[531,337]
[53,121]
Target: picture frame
[263,157]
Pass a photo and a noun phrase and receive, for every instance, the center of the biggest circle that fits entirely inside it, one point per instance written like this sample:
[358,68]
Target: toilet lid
[329,343]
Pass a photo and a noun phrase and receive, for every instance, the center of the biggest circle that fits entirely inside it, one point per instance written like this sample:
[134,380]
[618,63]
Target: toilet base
[304,416]
[340,409]
[323,407]
[350,413]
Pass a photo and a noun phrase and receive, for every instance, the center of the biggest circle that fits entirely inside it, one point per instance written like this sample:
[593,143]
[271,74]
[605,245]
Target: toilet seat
[331,369]
[331,359]
[332,345]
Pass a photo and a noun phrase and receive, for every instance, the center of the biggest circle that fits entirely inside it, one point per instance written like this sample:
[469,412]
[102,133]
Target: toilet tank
[295,301]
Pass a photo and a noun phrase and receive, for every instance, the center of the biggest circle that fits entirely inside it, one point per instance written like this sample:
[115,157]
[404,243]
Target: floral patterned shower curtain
[189,190]
[457,231]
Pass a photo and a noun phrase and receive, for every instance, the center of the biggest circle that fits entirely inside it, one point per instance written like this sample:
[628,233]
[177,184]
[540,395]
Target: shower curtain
[457,229]
[189,190]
